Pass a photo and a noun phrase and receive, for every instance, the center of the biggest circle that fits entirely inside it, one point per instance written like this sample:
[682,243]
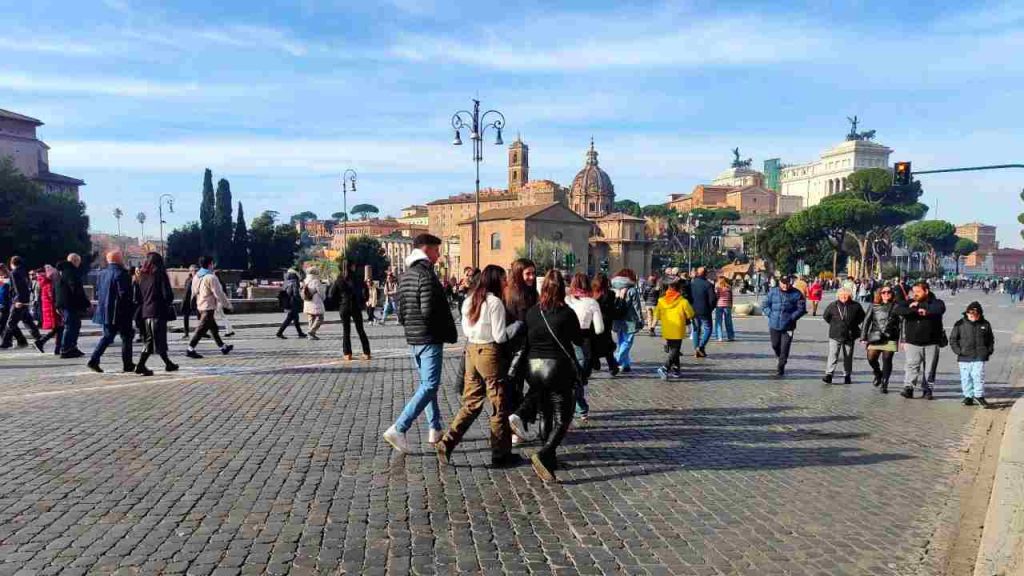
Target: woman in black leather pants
[552,329]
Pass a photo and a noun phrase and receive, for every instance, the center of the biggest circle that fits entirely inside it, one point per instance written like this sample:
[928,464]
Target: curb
[1001,550]
[178,330]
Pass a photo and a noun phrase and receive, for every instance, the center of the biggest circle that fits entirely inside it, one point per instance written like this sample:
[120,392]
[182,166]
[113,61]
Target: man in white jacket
[209,294]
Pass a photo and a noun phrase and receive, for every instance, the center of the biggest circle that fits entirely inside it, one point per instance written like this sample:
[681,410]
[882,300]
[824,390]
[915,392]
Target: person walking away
[188,301]
[313,302]
[209,296]
[424,314]
[783,306]
[603,345]
[801,284]
[72,301]
[350,307]
[520,295]
[973,342]
[922,334]
[371,301]
[844,317]
[630,305]
[293,298]
[483,323]
[157,310]
[552,330]
[814,293]
[591,325]
[51,319]
[390,294]
[881,334]
[704,301]
[651,293]
[675,313]
[21,302]
[140,328]
[35,311]
[115,311]
[723,311]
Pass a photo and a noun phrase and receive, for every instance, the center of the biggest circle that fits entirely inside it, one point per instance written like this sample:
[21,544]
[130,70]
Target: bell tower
[518,165]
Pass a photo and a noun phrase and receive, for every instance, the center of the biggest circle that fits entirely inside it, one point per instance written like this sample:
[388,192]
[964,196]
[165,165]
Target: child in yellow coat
[675,313]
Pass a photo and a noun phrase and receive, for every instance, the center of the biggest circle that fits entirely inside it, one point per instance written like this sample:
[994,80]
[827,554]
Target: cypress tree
[222,223]
[207,222]
[240,243]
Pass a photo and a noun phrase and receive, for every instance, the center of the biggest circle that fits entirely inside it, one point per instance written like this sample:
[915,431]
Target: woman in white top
[592,323]
[313,301]
[483,322]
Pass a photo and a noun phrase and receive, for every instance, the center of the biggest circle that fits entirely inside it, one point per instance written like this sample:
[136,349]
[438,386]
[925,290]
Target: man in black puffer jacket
[973,342]
[72,302]
[424,313]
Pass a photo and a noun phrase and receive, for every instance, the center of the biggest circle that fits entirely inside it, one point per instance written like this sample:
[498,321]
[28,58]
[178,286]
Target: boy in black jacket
[973,343]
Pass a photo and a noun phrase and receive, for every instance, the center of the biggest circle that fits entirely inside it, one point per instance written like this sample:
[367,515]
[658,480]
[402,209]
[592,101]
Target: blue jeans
[126,333]
[972,379]
[625,339]
[72,326]
[427,359]
[701,332]
[723,323]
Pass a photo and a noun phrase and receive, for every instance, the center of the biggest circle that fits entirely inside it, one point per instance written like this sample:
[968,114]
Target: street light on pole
[160,208]
[478,123]
[691,226]
[141,217]
[347,177]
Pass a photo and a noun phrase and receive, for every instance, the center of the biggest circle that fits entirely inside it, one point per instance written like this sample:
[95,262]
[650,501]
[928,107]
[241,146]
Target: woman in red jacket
[52,321]
[814,295]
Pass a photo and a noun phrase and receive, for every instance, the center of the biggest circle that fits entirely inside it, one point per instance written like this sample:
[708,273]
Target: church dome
[592,192]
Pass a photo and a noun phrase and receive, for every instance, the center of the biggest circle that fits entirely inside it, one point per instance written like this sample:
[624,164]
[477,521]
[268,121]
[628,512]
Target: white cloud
[112,86]
[43,45]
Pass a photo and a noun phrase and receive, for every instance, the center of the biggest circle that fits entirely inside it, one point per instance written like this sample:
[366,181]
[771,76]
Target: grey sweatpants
[835,347]
[920,361]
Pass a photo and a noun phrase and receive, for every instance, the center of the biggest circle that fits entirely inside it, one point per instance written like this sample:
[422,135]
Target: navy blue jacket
[783,308]
[21,288]
[704,298]
[115,304]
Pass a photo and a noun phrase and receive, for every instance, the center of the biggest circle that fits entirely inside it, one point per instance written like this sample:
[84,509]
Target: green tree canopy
[657,210]
[365,250]
[184,246]
[41,228]
[208,216]
[628,207]
[363,210]
[936,237]
[339,216]
[542,251]
[303,217]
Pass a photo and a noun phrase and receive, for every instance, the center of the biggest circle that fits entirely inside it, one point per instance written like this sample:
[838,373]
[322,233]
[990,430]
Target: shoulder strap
[571,358]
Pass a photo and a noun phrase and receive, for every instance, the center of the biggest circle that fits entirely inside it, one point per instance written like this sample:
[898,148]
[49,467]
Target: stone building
[740,188]
[620,241]
[592,193]
[415,214]
[31,155]
[984,235]
[827,175]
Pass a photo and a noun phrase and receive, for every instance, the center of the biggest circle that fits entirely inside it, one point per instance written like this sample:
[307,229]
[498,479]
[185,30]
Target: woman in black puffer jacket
[881,334]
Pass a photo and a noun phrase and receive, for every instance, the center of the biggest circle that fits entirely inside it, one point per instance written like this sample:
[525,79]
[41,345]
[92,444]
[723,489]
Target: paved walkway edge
[1001,551]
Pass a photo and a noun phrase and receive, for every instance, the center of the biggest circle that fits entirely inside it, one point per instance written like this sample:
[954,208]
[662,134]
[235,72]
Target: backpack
[307,294]
[284,300]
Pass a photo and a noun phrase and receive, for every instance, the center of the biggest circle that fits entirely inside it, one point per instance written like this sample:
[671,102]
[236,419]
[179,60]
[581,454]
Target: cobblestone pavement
[270,461]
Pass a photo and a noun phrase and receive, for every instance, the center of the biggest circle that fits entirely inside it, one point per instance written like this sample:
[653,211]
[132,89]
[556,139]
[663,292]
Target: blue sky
[279,97]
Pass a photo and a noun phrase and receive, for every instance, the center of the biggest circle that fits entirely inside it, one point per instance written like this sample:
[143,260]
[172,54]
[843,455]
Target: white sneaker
[518,428]
[516,440]
[396,439]
[434,436]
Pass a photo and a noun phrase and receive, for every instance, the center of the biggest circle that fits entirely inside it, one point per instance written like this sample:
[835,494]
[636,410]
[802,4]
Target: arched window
[496,241]
[591,206]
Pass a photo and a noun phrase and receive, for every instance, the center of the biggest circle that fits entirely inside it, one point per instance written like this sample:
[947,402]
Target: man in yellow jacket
[674,312]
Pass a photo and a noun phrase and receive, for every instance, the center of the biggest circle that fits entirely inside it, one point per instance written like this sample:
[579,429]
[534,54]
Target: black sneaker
[968,401]
[301,336]
[193,354]
[981,400]
[314,337]
[625,370]
[827,378]
[227,349]
[72,354]
[172,367]
[847,379]
[507,461]
[40,346]
[281,336]
[927,395]
[94,367]
[614,370]
[877,381]
[908,392]
[885,387]
[143,371]
[780,372]
[229,334]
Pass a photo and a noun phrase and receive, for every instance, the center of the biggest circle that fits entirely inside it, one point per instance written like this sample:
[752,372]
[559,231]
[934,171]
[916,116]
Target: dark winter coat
[703,297]
[70,291]
[422,308]
[115,303]
[881,324]
[972,341]
[783,308]
[293,289]
[844,320]
[350,293]
[21,288]
[156,294]
[922,330]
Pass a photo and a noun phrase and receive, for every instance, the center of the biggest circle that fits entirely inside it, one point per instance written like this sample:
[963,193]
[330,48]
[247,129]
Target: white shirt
[490,327]
[588,311]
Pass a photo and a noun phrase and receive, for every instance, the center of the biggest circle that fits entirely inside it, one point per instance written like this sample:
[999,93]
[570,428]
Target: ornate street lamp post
[478,123]
[691,226]
[347,177]
[160,208]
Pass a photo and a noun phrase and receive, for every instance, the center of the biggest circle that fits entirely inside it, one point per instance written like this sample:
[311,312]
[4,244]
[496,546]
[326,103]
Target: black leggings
[885,370]
[551,396]
[347,319]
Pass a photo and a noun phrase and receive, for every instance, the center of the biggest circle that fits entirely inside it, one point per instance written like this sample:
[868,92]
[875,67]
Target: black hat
[975,306]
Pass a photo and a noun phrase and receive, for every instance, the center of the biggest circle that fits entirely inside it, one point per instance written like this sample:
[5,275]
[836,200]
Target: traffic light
[901,174]
[570,261]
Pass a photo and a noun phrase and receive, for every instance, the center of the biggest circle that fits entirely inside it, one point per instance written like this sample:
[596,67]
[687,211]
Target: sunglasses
[886,292]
